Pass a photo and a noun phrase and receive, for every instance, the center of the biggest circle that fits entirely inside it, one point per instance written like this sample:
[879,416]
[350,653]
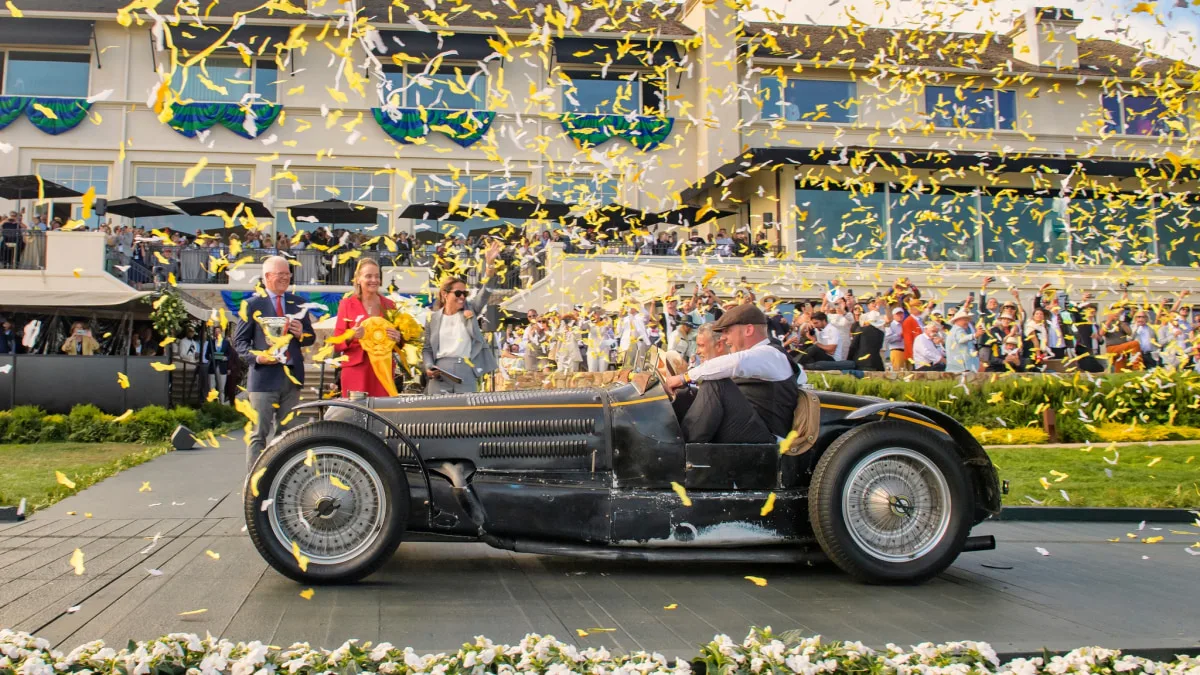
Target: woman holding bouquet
[365,302]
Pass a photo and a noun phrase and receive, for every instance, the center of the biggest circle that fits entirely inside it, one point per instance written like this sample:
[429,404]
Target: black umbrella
[433,211]
[527,208]
[335,212]
[223,201]
[20,188]
[690,216]
[136,207]
[616,217]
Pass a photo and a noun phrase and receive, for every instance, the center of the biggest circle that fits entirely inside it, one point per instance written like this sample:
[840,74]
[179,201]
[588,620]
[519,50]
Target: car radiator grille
[532,449]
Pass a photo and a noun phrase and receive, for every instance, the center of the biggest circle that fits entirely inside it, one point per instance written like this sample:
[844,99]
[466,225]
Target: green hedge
[1082,403]
[87,424]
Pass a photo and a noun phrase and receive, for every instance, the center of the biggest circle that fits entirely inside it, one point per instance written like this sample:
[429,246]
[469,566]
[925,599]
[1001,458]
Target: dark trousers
[720,413]
[814,354]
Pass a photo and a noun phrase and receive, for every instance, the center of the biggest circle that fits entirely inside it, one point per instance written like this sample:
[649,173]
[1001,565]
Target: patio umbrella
[136,207]
[19,188]
[223,201]
[433,211]
[690,216]
[616,217]
[335,212]
[526,208]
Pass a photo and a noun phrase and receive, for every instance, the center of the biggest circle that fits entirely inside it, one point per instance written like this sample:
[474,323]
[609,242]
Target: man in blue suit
[274,386]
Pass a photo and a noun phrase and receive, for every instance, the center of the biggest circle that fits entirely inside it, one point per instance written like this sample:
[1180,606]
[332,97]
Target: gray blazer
[481,352]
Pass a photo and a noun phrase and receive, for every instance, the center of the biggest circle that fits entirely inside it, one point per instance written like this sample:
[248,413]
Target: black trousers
[814,354]
[718,412]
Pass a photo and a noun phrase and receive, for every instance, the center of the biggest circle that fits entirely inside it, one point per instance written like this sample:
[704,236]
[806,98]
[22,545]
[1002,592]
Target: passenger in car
[746,396]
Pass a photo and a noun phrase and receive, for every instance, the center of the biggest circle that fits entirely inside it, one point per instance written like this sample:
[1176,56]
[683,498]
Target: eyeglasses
[460,294]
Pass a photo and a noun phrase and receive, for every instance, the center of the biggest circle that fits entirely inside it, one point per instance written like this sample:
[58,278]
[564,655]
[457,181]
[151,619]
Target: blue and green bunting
[193,118]
[233,301]
[645,133]
[65,113]
[406,125]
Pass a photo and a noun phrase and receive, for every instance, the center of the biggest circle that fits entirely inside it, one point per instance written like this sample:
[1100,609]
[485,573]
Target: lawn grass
[1173,481]
[28,470]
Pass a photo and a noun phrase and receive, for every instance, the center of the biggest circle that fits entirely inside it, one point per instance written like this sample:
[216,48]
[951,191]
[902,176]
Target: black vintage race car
[889,491]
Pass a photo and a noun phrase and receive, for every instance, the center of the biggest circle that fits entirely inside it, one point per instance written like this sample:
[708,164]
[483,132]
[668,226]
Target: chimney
[1045,36]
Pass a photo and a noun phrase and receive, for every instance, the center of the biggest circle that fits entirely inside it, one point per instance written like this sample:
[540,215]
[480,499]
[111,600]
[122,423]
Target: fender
[408,442]
[987,483]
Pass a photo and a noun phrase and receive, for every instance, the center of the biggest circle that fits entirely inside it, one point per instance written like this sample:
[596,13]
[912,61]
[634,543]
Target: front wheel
[331,506]
[891,503]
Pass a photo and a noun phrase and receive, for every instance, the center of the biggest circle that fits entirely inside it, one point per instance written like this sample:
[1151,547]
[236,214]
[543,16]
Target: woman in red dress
[364,302]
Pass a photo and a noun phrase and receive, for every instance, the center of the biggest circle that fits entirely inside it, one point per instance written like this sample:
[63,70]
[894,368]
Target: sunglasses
[460,294]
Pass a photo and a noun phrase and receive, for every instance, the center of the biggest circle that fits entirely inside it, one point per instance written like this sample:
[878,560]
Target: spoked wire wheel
[896,504]
[329,502]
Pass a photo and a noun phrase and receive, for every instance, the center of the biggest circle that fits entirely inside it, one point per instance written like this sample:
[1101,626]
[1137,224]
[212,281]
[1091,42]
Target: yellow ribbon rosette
[379,347]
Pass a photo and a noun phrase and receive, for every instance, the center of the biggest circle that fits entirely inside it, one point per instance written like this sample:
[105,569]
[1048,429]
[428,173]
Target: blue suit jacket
[249,336]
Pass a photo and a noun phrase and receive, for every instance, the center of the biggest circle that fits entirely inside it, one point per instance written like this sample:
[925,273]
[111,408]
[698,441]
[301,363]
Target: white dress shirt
[925,353]
[760,362]
[842,323]
[454,342]
[830,335]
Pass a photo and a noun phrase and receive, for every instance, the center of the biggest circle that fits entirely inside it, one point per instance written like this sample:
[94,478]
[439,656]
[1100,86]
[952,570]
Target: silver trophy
[275,327]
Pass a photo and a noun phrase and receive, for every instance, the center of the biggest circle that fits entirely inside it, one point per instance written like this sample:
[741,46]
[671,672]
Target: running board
[671,554]
[983,542]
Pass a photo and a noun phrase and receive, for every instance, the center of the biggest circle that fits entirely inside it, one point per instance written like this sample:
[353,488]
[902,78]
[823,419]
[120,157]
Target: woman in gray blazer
[454,343]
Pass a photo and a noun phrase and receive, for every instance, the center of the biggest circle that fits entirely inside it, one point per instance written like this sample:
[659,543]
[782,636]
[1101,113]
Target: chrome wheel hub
[896,503]
[329,502]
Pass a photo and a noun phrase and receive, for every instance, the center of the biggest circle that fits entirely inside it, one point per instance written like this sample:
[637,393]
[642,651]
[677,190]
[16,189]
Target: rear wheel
[332,503]
[890,502]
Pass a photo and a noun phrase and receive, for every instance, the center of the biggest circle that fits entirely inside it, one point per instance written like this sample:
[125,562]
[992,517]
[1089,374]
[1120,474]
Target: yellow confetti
[1154,461]
[254,483]
[1059,476]
[63,480]
[307,593]
[581,632]
[337,483]
[687,501]
[194,612]
[301,559]
[673,605]
[758,581]
[123,380]
[769,506]
[12,9]
[1152,540]
[125,416]
[213,554]
[45,111]
[190,175]
[145,487]
[77,561]
[162,367]
[78,272]
[1045,483]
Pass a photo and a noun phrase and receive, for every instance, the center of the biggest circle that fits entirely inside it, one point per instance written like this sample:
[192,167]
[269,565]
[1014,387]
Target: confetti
[77,561]
[757,581]
[194,612]
[63,480]
[337,483]
[1041,550]
[145,487]
[212,554]
[769,505]
[307,593]
[671,606]
[687,501]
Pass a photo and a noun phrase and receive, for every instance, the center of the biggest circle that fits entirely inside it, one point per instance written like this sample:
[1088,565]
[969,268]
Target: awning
[195,39]
[931,159]
[425,46]
[16,32]
[635,53]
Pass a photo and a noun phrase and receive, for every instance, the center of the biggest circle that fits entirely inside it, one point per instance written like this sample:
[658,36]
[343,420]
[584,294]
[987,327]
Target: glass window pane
[840,224]
[769,97]
[820,101]
[441,90]
[961,107]
[230,74]
[1107,231]
[1023,228]
[589,93]
[78,177]
[1178,225]
[1144,116]
[1112,114]
[266,75]
[1007,102]
[46,74]
[933,227]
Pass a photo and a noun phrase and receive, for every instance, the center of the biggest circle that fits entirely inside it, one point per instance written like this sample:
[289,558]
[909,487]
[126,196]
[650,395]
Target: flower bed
[760,653]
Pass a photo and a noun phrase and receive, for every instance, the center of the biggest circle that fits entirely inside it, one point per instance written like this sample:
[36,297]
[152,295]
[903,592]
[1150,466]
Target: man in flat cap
[746,396]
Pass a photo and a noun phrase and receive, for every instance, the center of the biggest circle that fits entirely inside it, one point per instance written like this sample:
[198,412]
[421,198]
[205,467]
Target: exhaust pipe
[985,542]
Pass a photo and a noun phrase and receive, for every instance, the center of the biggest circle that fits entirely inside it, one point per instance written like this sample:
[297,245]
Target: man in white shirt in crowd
[746,396]
[1145,336]
[928,352]
[682,340]
[825,343]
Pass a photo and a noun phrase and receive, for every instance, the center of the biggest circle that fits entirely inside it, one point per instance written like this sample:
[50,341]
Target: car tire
[891,479]
[370,494]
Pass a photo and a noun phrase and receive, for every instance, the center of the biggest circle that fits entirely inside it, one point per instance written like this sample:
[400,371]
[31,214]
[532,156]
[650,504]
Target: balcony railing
[22,250]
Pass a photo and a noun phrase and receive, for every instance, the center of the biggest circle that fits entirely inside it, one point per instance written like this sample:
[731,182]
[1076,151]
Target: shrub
[213,414]
[185,416]
[1018,436]
[150,425]
[54,428]
[24,424]
[87,424]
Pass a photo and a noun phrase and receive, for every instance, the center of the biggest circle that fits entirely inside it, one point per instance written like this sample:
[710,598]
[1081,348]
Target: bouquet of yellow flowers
[412,332]
[379,347]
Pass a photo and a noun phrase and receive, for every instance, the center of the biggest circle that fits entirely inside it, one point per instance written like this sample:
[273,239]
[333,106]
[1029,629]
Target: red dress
[357,374]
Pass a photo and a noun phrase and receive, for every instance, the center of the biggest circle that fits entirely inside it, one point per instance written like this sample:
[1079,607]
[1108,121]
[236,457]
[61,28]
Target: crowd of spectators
[896,331]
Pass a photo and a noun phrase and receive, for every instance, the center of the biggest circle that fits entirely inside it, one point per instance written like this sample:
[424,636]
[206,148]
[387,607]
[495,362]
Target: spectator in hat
[929,354]
[1009,356]
[80,342]
[961,353]
[893,340]
[1147,341]
[670,319]
[682,340]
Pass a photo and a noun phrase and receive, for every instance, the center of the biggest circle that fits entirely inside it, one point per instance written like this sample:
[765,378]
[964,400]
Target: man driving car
[746,396]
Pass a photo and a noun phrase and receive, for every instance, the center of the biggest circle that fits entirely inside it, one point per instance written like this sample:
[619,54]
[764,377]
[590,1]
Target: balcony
[22,250]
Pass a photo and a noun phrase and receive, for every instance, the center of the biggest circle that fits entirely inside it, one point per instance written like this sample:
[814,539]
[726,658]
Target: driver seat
[806,424]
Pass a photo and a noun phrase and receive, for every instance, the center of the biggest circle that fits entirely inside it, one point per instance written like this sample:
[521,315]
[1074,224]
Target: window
[46,74]
[167,181]
[933,227]
[78,177]
[1115,229]
[450,87]
[233,76]
[480,189]
[1178,232]
[1020,228]
[841,224]
[798,100]
[586,191]
[612,92]
[1138,116]
[971,108]
[346,185]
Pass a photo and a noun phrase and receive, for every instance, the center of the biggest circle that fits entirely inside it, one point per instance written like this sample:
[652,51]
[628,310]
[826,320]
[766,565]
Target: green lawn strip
[1173,481]
[29,469]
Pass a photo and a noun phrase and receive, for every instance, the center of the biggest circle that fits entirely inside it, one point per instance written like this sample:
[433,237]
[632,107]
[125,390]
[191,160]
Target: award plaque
[275,327]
